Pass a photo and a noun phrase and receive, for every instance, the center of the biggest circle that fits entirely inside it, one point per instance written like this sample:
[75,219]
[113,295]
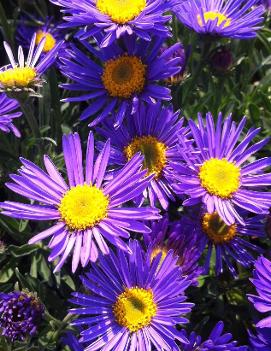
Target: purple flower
[115,18]
[217,171]
[9,111]
[25,74]
[167,236]
[20,314]
[133,302]
[238,19]
[89,212]
[182,54]
[123,76]
[230,242]
[217,341]
[262,282]
[153,130]
[261,341]
[43,29]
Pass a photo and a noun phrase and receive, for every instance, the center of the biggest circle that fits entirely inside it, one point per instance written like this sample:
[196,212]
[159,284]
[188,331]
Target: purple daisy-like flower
[218,340]
[238,19]
[20,314]
[8,111]
[216,170]
[25,74]
[43,29]
[153,130]
[133,303]
[115,18]
[228,241]
[261,341]
[262,282]
[167,236]
[89,212]
[182,54]
[123,76]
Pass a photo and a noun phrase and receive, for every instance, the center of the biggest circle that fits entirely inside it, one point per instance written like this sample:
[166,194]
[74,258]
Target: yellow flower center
[216,229]
[124,76]
[50,41]
[153,150]
[135,308]
[220,177]
[83,207]
[17,77]
[121,11]
[211,16]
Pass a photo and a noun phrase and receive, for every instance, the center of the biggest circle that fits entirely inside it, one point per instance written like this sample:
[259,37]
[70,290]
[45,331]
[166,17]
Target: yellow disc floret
[49,42]
[17,77]
[211,16]
[216,229]
[124,76]
[220,177]
[152,149]
[135,308]
[83,207]
[121,11]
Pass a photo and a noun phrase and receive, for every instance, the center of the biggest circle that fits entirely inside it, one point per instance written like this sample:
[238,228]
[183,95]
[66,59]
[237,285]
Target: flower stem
[31,120]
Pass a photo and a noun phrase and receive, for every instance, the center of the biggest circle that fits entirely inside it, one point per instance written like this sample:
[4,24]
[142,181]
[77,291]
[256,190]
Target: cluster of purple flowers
[145,158]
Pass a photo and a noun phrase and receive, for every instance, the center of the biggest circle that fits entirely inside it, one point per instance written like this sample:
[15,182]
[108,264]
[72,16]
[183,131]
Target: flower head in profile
[166,236]
[115,18]
[47,29]
[119,78]
[153,130]
[230,242]
[262,282]
[24,75]
[237,19]
[182,54]
[261,341]
[20,314]
[217,170]
[217,340]
[132,301]
[89,212]
[8,112]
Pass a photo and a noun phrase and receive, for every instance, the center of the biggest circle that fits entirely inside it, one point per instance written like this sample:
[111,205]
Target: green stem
[30,118]
[205,51]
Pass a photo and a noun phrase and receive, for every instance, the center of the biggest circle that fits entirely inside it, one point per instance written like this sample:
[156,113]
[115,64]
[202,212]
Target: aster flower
[216,170]
[262,282]
[20,314]
[182,54]
[167,236]
[88,211]
[218,340]
[122,77]
[261,341]
[229,241]
[153,130]
[25,75]
[44,29]
[133,303]
[238,19]
[8,111]
[144,18]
